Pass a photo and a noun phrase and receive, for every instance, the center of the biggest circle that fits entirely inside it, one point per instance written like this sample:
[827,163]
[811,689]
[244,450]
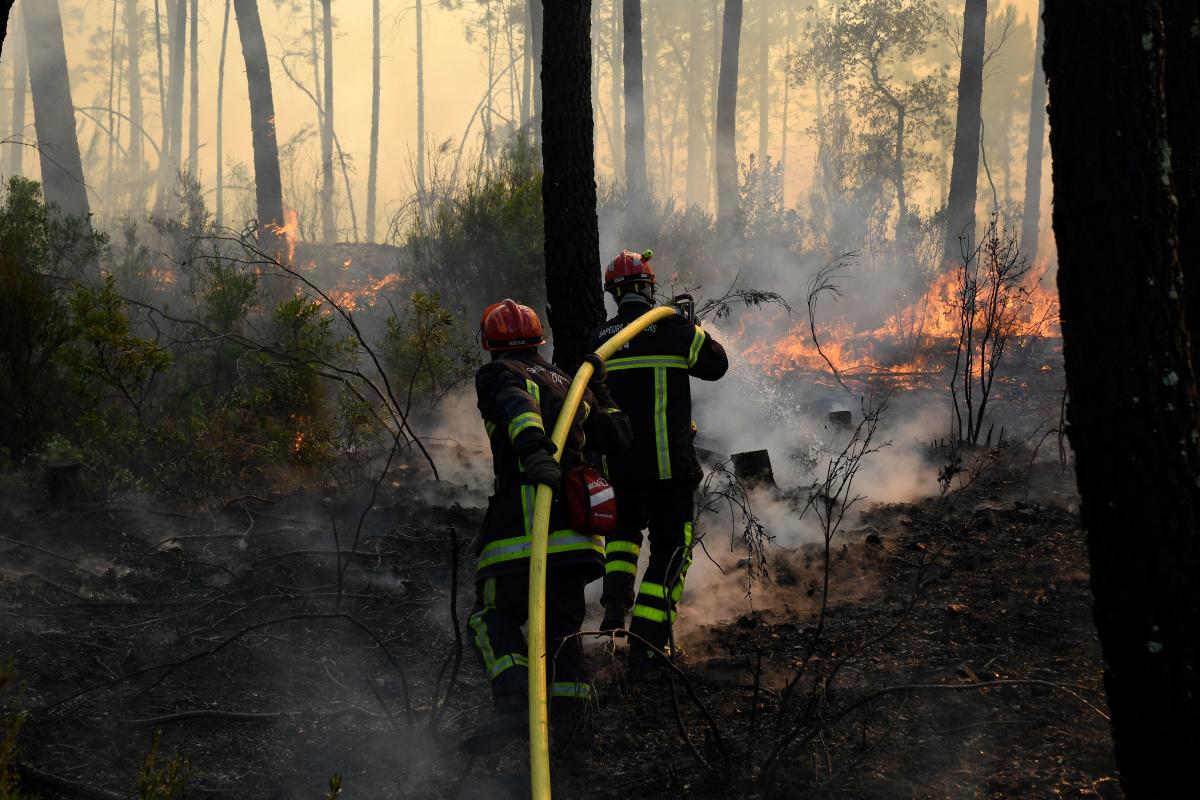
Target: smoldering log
[753,468]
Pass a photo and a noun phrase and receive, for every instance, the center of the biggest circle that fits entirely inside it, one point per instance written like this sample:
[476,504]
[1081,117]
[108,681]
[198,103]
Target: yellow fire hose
[539,715]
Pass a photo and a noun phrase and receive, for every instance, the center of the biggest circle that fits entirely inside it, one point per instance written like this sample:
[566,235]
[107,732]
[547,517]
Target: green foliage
[335,787]
[11,720]
[38,256]
[106,354]
[161,782]
[427,351]
[483,240]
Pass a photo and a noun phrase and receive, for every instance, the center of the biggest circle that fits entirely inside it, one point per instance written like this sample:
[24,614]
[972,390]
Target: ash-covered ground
[957,656]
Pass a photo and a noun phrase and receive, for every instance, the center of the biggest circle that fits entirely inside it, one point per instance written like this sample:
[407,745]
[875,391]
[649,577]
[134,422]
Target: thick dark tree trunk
[53,110]
[267,189]
[964,171]
[1132,416]
[696,187]
[20,58]
[328,227]
[373,159]
[569,182]
[726,161]
[194,95]
[221,120]
[1182,21]
[1031,215]
[635,106]
[133,48]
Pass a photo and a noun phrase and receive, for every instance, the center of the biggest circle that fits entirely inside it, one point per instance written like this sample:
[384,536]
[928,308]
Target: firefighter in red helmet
[656,478]
[520,396]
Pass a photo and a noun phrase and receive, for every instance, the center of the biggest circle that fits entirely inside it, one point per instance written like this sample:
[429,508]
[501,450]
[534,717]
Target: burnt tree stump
[753,468]
[64,481]
[841,419]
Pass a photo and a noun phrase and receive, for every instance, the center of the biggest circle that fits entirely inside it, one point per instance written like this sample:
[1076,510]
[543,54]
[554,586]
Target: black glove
[541,467]
[599,371]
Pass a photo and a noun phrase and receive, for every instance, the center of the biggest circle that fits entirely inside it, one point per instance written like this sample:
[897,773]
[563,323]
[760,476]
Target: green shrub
[427,351]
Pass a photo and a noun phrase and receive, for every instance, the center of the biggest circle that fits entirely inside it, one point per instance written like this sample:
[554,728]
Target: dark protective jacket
[650,380]
[519,397]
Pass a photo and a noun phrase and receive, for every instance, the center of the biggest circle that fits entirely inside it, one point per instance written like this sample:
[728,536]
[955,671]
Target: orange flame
[287,231]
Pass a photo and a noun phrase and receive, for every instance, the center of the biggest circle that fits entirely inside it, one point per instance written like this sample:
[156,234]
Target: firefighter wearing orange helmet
[519,397]
[656,478]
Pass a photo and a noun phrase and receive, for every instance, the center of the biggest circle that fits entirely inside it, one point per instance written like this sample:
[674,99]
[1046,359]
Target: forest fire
[288,231]
[916,343]
[365,296]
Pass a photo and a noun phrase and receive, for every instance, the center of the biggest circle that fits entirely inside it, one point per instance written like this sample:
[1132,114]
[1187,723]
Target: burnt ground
[222,629]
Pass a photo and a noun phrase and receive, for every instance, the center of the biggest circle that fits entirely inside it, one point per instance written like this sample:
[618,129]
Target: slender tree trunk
[112,98]
[267,188]
[133,48]
[695,188]
[535,14]
[727,181]
[328,227]
[53,110]
[717,39]
[1032,212]
[194,100]
[764,94]
[421,199]
[617,91]
[635,107]
[20,58]
[1117,225]
[898,174]
[373,163]
[164,116]
[1182,21]
[964,171]
[221,120]
[526,67]
[178,51]
[785,115]
[576,305]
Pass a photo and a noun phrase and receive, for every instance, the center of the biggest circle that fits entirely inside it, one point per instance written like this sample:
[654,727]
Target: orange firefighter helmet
[508,325]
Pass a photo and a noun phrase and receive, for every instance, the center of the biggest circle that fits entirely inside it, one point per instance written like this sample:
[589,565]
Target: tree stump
[64,481]
[753,468]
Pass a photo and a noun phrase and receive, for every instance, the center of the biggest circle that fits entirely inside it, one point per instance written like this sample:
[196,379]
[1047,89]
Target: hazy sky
[455,73]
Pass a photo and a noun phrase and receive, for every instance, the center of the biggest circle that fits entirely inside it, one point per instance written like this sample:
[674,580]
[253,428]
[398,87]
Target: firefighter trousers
[669,515]
[501,608]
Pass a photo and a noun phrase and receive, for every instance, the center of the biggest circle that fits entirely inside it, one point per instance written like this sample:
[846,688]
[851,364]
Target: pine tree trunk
[1182,21]
[696,187]
[764,94]
[526,67]
[178,51]
[726,164]
[635,107]
[617,60]
[113,94]
[133,47]
[964,171]
[785,114]
[328,227]
[1031,215]
[535,14]
[194,99]
[267,188]
[576,305]
[421,199]
[1133,411]
[221,120]
[373,159]
[53,111]
[20,58]
[164,117]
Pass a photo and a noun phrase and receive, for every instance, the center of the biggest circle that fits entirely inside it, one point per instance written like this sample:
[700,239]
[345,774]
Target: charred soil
[957,658]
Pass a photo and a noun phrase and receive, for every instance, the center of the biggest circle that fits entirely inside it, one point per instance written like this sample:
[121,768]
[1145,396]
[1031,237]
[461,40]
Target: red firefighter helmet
[508,325]
[628,268]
